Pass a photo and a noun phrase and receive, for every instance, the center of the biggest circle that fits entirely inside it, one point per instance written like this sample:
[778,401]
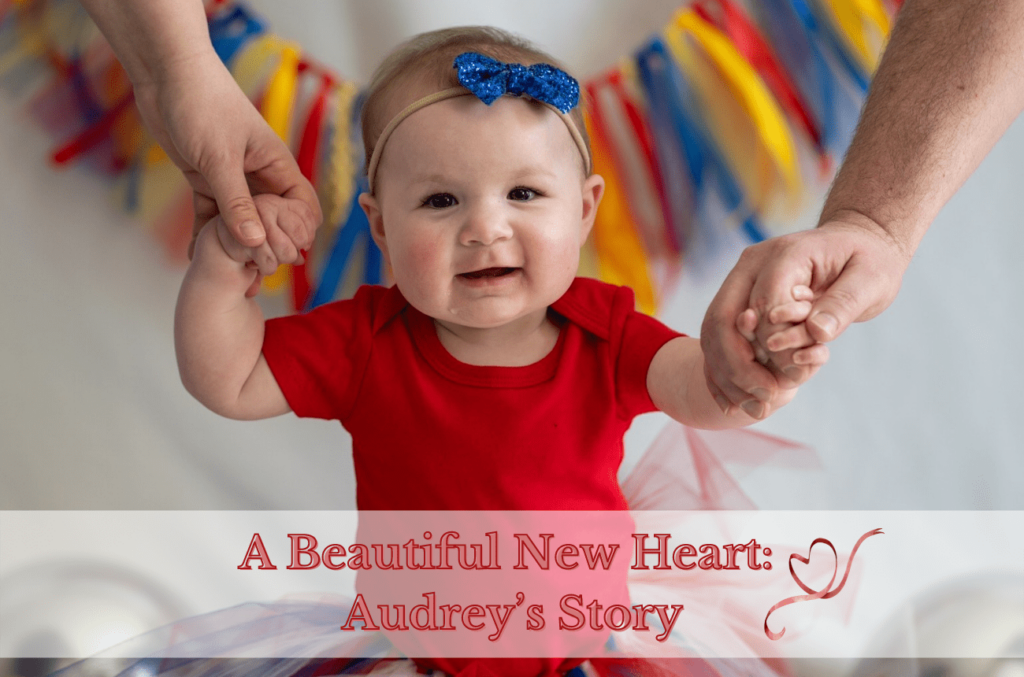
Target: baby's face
[481,210]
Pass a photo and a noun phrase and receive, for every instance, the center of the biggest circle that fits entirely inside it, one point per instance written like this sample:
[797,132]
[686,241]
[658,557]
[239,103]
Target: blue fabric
[672,124]
[489,79]
[231,30]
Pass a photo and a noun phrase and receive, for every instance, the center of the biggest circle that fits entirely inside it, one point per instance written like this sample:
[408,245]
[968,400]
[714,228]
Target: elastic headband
[488,79]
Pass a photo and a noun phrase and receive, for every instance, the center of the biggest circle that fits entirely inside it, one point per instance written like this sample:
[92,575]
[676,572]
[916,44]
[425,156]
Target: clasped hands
[767,327]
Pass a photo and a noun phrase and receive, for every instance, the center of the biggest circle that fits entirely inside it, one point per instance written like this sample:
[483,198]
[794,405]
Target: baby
[489,377]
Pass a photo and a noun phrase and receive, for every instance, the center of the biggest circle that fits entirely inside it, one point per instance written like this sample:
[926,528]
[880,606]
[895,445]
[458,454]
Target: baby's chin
[481,307]
[489,314]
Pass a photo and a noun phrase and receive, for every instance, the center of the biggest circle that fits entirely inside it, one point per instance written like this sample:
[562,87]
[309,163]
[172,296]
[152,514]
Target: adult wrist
[184,66]
[903,247]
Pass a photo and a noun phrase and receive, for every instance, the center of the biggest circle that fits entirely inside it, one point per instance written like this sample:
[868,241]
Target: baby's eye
[522,194]
[440,201]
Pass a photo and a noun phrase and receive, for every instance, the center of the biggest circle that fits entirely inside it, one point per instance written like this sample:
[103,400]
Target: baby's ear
[593,191]
[372,208]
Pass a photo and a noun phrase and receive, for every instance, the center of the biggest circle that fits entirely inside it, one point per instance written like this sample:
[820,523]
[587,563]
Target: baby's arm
[218,329]
[677,385]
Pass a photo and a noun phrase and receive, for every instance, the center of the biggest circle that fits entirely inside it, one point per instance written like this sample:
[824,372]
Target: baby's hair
[424,65]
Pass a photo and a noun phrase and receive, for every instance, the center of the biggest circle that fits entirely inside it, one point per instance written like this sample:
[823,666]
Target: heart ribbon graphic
[826,592]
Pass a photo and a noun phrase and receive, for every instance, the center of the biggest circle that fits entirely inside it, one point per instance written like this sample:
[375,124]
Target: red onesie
[432,433]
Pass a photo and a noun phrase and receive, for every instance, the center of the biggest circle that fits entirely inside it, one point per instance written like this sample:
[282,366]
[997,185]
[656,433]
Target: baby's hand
[287,234]
[780,339]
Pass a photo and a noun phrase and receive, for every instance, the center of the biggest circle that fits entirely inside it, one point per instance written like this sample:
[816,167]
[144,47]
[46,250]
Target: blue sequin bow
[489,79]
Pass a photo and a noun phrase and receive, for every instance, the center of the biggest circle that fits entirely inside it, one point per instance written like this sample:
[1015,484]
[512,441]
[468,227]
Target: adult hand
[227,152]
[853,269]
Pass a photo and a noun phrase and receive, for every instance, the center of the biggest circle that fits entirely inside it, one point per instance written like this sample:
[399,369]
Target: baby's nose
[485,225]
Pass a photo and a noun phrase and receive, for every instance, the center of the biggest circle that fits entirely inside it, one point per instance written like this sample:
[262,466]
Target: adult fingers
[731,364]
[226,178]
[273,170]
[232,247]
[789,373]
[796,336]
[844,302]
[716,393]
[204,209]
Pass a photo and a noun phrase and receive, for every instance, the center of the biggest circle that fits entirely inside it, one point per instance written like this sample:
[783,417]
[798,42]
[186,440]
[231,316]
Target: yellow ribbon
[755,102]
[278,102]
[620,254]
[337,184]
[340,181]
[852,18]
[254,62]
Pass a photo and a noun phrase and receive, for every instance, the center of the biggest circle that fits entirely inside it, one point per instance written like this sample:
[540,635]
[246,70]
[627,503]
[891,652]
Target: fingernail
[761,394]
[250,230]
[826,322]
[773,342]
[723,404]
[793,373]
[753,408]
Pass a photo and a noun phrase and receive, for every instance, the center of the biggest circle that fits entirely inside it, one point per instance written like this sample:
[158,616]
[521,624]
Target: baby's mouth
[488,272]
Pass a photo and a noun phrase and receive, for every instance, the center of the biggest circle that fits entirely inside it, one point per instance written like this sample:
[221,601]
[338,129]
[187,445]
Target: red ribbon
[731,20]
[826,592]
[306,159]
[644,139]
[94,134]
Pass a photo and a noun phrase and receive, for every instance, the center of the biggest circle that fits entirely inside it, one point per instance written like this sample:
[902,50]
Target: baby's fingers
[288,229]
[795,336]
[285,250]
[264,257]
[802,292]
[746,324]
[254,288]
[300,223]
[814,356]
[790,313]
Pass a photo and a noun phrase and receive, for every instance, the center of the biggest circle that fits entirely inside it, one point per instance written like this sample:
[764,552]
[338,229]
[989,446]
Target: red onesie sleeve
[636,338]
[641,338]
[609,313]
[318,358]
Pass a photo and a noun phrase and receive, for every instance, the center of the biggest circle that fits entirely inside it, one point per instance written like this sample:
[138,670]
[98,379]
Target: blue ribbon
[352,236]
[489,79]
[669,97]
[230,30]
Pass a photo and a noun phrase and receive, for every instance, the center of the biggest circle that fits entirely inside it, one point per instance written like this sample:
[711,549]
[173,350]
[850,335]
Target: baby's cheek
[566,251]
[414,256]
